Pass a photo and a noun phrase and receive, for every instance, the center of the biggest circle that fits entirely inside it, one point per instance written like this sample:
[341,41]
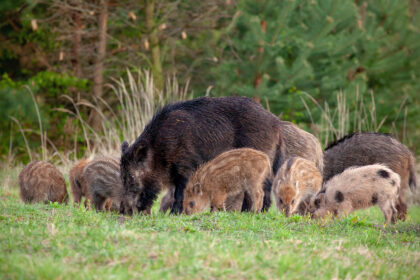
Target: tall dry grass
[337,122]
[136,101]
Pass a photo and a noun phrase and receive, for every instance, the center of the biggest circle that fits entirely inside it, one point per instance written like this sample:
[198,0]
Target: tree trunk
[154,43]
[77,31]
[98,71]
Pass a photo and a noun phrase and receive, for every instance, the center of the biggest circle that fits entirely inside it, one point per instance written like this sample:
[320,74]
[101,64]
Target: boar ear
[197,189]
[140,152]
[124,147]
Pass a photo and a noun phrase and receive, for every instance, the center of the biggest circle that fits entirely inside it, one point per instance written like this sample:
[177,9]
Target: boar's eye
[192,204]
[281,201]
[293,201]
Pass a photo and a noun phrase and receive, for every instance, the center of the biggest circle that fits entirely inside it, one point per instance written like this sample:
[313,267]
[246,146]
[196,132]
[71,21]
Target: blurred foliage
[277,50]
[16,102]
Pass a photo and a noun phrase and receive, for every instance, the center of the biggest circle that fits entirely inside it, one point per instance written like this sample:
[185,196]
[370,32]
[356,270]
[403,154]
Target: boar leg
[267,194]
[167,201]
[386,207]
[268,182]
[218,201]
[108,204]
[259,200]
[401,206]
[87,203]
[180,182]
[246,203]
[394,213]
[302,208]
[234,202]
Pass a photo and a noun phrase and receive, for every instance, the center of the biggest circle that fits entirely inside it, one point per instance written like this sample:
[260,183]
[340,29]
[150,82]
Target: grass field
[68,242]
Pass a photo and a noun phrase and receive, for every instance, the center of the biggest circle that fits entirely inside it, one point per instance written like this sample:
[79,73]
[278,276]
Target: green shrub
[276,50]
[16,102]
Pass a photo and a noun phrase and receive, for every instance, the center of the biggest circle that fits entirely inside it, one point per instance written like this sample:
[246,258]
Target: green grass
[64,241]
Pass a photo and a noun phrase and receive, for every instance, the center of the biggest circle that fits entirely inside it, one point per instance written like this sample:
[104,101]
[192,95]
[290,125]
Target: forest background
[76,74]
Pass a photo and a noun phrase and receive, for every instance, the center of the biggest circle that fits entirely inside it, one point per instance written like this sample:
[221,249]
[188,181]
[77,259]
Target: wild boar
[296,182]
[232,203]
[77,184]
[370,148]
[229,174]
[41,181]
[358,188]
[182,136]
[297,142]
[103,183]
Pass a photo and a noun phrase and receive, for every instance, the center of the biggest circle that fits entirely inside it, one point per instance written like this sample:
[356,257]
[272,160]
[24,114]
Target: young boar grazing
[41,181]
[182,136]
[229,174]
[103,183]
[358,188]
[299,143]
[77,184]
[232,203]
[370,148]
[296,182]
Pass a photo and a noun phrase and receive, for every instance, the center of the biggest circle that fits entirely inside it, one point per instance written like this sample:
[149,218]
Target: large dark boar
[182,136]
[370,148]
[40,181]
[297,142]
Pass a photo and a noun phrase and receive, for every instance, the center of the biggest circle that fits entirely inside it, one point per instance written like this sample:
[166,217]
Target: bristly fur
[183,135]
[297,142]
[40,181]
[354,189]
[360,149]
[77,183]
[296,182]
[290,163]
[348,136]
[103,184]
[229,174]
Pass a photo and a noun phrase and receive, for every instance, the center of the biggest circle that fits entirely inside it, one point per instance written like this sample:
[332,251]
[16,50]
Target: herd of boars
[230,154]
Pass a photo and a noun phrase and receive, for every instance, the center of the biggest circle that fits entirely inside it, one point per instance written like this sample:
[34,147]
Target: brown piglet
[41,181]
[229,174]
[296,182]
[103,183]
[77,183]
